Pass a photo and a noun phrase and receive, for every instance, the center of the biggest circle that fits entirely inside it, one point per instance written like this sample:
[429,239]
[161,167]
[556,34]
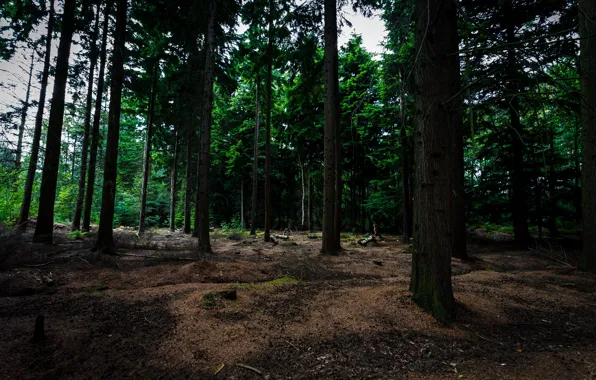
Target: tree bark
[147,155]
[26,205]
[587,32]
[405,166]
[45,218]
[76,223]
[242,225]
[255,166]
[188,175]
[267,236]
[330,244]
[173,182]
[519,207]
[96,121]
[105,236]
[19,152]
[309,207]
[437,114]
[205,132]
[303,194]
[459,204]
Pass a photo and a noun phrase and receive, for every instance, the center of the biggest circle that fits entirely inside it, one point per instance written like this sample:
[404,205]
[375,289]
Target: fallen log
[364,242]
[283,237]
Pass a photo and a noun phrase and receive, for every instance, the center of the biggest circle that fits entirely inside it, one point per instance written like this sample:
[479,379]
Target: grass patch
[282,281]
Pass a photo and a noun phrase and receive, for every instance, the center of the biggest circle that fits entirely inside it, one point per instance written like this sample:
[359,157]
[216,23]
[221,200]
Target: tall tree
[174,180]
[587,31]
[205,132]
[96,120]
[267,236]
[147,154]
[24,118]
[330,242]
[76,223]
[27,192]
[436,115]
[255,165]
[45,217]
[105,234]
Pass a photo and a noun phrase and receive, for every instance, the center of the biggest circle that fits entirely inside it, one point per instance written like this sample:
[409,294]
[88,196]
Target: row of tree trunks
[76,223]
[24,111]
[96,121]
[147,154]
[255,165]
[105,236]
[34,155]
[45,217]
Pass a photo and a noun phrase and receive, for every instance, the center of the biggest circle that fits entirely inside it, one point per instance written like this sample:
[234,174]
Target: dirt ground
[298,315]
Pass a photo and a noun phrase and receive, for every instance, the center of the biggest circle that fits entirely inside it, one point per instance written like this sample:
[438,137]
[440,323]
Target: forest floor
[298,315]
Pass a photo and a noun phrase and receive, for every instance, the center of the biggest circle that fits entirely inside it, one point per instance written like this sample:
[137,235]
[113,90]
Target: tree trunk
[303,194]
[45,217]
[173,181]
[437,114]
[188,175]
[255,167]
[242,225]
[26,205]
[309,207]
[147,156]
[587,32]
[105,237]
[405,166]
[459,204]
[76,223]
[268,127]
[205,133]
[19,152]
[519,207]
[330,246]
[96,121]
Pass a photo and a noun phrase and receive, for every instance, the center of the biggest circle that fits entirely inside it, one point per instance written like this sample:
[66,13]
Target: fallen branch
[38,265]
[249,368]
[364,242]
[283,237]
[552,258]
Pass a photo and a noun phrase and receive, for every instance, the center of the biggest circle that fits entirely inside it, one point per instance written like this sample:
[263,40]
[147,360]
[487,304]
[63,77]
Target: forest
[223,189]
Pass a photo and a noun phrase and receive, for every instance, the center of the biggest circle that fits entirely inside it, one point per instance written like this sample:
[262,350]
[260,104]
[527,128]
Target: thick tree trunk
[268,127]
[26,205]
[19,152]
[105,237]
[173,182]
[519,207]
[147,155]
[45,217]
[330,242]
[205,132]
[76,223]
[255,167]
[437,114]
[587,31]
[96,121]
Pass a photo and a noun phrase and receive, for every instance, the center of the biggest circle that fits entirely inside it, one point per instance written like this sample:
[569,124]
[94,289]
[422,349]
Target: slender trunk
[587,32]
[242,225]
[205,132]
[173,181]
[255,167]
[188,174]
[519,207]
[19,152]
[96,121]
[76,223]
[45,219]
[330,245]
[303,194]
[105,237]
[362,209]
[26,205]
[195,231]
[405,166]
[309,207]
[147,156]
[267,236]
[437,114]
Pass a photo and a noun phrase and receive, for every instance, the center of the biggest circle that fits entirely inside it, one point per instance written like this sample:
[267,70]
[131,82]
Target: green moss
[286,280]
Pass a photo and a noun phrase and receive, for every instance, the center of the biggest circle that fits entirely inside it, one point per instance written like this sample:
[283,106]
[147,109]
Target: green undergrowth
[278,282]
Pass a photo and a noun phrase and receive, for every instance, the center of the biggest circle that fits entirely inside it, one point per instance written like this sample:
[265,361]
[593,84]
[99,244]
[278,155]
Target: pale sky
[14,73]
